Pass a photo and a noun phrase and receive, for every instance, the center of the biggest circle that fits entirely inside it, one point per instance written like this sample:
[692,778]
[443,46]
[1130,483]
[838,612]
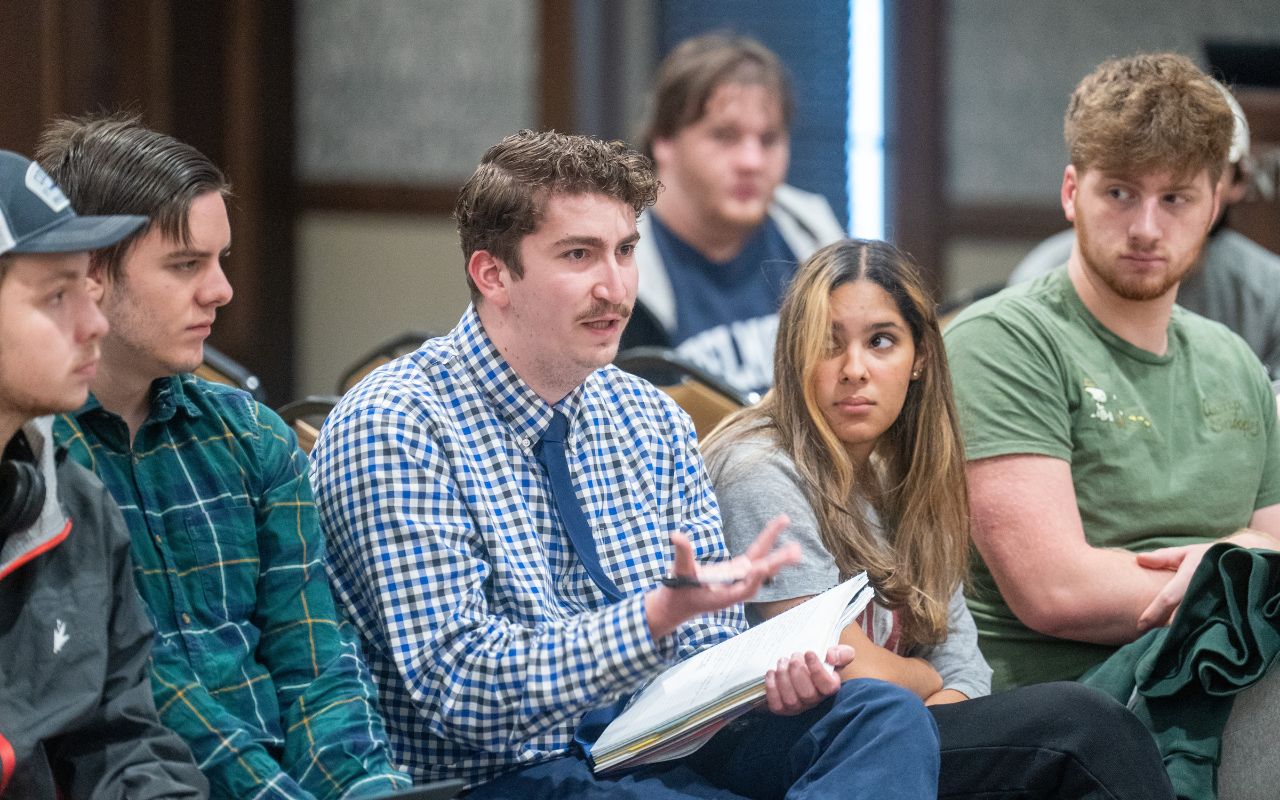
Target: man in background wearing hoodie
[723,240]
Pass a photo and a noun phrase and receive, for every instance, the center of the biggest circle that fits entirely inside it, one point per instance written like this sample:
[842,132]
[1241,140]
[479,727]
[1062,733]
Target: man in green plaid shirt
[250,664]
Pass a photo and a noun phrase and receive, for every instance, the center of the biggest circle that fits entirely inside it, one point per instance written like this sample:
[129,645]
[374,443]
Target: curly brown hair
[504,199]
[1148,113]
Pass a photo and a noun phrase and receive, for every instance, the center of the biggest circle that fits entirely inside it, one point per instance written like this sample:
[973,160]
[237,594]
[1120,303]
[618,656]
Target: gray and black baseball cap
[36,217]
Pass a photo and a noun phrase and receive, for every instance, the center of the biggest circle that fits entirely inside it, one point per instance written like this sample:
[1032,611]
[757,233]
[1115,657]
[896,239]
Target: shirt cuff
[635,655]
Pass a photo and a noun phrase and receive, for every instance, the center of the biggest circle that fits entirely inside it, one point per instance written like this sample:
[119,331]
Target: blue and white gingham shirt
[485,635]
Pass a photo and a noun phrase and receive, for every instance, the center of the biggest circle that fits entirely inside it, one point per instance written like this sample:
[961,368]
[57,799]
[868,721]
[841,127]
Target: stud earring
[915,375]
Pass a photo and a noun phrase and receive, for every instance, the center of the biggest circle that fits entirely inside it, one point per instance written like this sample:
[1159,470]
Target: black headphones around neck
[21,487]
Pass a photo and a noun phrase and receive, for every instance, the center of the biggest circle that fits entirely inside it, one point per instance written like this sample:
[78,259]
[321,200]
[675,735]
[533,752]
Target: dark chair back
[706,398]
[221,368]
[389,350]
[950,309]
[306,417]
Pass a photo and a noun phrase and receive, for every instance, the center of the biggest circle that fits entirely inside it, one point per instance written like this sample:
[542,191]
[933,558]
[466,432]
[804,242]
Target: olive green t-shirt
[1164,449]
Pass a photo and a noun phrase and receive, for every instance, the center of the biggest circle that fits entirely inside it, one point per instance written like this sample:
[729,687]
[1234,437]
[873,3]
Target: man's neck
[124,392]
[523,359]
[1142,323]
[717,242]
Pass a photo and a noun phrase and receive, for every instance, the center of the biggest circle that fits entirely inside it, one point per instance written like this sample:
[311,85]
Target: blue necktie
[550,454]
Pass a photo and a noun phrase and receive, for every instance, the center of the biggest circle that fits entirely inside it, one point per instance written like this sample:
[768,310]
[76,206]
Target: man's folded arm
[1183,560]
[1027,527]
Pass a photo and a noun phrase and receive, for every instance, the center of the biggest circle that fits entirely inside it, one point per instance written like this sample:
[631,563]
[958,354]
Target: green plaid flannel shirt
[250,663]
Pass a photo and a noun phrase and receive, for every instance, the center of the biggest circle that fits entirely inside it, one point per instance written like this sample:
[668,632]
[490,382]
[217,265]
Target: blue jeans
[872,740]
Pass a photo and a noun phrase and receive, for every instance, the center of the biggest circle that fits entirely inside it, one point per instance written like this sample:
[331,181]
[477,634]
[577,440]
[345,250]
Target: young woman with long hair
[859,445]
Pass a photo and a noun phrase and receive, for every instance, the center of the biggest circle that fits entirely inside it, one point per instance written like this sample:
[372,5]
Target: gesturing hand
[666,607]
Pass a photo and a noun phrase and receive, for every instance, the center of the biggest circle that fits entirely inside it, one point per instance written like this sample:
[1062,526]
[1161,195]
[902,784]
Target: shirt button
[157,539]
[186,619]
[524,441]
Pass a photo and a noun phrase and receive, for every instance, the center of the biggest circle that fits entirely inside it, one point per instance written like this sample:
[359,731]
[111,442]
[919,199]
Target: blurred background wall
[347,126]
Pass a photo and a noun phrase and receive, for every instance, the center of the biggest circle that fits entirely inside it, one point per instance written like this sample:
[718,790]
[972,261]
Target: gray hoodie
[76,710]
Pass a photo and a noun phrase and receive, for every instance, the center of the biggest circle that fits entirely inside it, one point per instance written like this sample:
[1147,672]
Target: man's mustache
[604,308]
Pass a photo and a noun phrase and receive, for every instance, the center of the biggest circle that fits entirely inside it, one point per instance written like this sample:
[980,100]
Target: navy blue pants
[872,740]
[1058,741]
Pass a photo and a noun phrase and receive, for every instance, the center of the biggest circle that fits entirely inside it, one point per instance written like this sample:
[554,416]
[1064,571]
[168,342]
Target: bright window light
[864,158]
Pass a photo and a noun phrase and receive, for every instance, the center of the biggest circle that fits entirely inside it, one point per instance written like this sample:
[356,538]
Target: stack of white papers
[686,705]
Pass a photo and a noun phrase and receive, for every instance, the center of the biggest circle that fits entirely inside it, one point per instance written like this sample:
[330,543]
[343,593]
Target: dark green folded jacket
[1181,680]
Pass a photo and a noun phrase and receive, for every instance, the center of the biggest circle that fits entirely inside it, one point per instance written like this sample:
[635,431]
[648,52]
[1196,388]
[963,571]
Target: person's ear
[662,148]
[917,368]
[1070,184]
[1235,187]
[97,277]
[1219,200]
[491,277]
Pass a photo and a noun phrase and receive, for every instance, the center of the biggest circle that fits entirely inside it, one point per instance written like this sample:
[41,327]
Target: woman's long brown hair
[915,479]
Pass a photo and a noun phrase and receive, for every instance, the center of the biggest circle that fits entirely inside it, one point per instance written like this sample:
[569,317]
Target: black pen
[689,582]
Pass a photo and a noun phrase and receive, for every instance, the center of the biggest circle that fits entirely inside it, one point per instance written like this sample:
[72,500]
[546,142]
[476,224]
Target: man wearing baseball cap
[77,717]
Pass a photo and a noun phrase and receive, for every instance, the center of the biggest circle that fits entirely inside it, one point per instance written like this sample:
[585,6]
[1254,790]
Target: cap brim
[75,234]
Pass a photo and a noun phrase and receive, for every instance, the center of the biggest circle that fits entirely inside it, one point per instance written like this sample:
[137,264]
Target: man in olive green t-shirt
[1100,420]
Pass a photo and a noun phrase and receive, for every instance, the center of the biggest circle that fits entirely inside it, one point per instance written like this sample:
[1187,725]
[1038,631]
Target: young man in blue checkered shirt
[487,634]
[250,665]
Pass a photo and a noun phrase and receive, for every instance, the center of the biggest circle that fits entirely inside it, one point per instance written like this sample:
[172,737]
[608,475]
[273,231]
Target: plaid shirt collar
[515,402]
[169,395]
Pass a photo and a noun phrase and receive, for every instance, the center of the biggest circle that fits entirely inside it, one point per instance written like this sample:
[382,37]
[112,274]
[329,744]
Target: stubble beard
[133,340]
[1137,289]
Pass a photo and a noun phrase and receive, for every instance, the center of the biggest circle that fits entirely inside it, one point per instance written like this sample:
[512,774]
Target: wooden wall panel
[915,158]
[217,75]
